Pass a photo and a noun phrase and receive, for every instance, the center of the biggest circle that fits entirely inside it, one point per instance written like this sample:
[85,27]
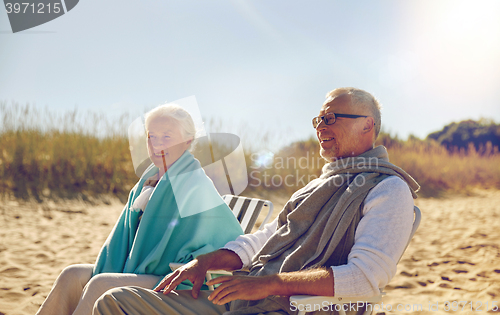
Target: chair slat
[230,201]
[237,207]
[249,213]
[243,210]
[247,210]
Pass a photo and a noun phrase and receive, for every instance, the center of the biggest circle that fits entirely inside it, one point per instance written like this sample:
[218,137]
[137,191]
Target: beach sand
[454,256]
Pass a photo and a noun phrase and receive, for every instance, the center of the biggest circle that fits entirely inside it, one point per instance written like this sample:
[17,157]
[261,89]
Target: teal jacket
[185,217]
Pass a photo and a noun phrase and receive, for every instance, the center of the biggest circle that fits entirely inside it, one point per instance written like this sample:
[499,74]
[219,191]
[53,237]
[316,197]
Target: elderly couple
[330,239]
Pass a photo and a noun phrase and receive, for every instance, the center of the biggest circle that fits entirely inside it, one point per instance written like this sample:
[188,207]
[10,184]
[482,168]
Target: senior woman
[173,214]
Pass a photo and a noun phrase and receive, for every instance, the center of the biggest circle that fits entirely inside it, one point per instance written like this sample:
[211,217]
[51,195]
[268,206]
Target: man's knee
[108,302]
[137,300]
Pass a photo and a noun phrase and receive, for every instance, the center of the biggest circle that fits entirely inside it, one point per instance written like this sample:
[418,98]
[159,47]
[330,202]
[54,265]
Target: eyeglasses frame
[335,115]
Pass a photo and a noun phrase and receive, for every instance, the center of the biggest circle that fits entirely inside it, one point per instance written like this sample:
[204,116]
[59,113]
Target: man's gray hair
[361,98]
[176,112]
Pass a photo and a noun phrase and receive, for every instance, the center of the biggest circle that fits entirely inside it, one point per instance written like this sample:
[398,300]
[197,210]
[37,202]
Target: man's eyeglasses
[330,118]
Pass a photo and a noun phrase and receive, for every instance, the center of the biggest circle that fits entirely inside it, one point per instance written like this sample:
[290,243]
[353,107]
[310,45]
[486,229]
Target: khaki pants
[75,291]
[136,300]
[140,301]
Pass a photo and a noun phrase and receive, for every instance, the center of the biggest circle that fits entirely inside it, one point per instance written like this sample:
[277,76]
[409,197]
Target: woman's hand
[196,270]
[193,271]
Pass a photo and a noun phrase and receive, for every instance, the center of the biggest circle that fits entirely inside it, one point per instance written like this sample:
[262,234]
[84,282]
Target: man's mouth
[325,139]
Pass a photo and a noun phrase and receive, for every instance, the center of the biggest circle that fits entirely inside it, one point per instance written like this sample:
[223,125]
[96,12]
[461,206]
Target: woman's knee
[76,273]
[101,283]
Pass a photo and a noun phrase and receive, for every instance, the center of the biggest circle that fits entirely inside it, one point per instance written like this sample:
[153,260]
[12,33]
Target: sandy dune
[455,255]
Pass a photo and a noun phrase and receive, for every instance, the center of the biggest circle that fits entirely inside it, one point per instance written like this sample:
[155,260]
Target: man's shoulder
[389,192]
[392,183]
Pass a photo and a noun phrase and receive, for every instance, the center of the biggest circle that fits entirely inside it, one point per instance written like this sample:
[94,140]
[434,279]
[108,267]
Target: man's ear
[369,124]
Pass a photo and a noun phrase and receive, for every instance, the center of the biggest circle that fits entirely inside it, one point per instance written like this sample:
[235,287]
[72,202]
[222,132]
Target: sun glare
[459,45]
[263,159]
[471,23]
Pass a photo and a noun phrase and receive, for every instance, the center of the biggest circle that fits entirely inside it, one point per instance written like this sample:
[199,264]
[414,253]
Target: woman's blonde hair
[176,112]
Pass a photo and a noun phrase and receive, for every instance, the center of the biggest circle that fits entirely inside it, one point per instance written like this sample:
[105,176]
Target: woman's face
[165,142]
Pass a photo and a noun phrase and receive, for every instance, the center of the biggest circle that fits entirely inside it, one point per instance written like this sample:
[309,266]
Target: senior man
[340,235]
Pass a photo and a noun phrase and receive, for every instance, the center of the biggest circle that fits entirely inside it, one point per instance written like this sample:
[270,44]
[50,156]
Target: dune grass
[44,155]
[437,170]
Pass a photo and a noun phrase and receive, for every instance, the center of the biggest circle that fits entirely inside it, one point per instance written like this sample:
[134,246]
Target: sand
[37,242]
[454,256]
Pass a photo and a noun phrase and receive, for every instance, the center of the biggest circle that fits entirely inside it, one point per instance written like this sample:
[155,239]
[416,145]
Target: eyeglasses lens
[328,119]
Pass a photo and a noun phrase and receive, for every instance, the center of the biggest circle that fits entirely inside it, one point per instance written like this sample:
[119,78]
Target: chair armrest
[306,303]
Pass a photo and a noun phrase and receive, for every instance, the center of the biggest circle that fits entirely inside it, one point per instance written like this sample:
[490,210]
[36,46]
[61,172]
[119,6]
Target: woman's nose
[159,144]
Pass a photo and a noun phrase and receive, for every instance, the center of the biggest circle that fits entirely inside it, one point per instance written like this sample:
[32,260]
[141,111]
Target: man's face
[341,139]
[165,141]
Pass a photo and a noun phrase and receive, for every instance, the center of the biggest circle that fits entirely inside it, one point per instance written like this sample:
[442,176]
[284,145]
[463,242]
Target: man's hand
[310,282]
[193,271]
[196,270]
[242,288]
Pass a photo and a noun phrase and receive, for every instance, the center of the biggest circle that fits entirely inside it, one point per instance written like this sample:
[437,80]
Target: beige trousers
[75,290]
[139,301]
[136,300]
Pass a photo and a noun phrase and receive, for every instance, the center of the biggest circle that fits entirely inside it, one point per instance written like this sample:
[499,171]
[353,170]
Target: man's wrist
[277,285]
[311,282]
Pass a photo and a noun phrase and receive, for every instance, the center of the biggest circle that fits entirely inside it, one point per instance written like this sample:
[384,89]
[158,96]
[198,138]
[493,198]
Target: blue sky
[262,65]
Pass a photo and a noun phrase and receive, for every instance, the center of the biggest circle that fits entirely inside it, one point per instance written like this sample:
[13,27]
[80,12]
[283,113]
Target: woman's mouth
[160,154]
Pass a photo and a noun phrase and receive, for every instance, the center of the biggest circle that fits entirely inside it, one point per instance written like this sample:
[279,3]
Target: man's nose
[321,126]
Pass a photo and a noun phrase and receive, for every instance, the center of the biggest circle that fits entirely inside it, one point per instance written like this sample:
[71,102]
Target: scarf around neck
[318,219]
